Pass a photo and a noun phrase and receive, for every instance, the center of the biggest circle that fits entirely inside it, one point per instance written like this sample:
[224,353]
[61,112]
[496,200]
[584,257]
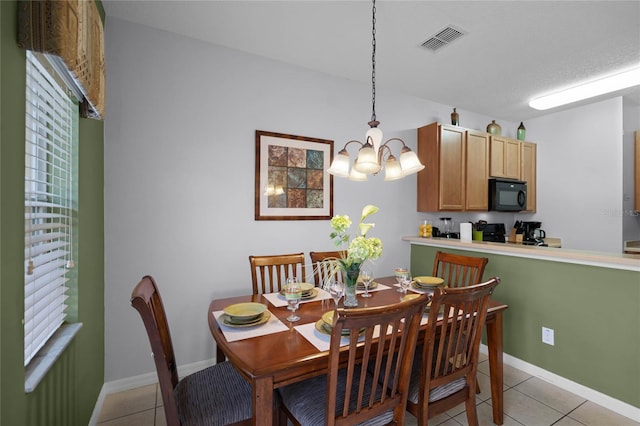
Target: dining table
[276,352]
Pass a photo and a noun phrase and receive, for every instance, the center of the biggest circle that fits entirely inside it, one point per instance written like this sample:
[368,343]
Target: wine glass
[405,282]
[293,294]
[336,289]
[366,275]
[400,272]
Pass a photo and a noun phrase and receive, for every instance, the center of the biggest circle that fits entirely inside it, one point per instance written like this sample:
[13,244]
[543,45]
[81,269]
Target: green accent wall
[594,311]
[69,391]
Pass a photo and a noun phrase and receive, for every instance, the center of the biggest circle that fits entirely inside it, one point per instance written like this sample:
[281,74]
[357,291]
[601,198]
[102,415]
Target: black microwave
[507,195]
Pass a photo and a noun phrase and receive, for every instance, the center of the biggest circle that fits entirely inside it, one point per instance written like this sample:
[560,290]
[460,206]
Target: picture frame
[291,182]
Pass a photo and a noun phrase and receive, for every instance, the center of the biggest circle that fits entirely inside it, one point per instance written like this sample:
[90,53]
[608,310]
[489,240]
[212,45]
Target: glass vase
[350,277]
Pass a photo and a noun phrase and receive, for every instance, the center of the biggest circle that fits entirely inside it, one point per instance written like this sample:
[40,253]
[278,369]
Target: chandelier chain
[373,63]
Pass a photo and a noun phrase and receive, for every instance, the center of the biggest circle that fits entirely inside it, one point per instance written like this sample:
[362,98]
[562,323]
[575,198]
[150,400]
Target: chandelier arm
[381,152]
[394,139]
[352,141]
[385,145]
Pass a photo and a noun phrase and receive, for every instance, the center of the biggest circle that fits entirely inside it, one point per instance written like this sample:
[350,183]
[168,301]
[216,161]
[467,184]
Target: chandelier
[373,152]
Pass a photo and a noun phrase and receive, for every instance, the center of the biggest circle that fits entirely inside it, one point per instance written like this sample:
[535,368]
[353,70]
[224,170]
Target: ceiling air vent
[443,38]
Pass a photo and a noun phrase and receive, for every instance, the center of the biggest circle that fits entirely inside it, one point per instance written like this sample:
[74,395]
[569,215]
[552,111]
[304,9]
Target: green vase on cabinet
[522,132]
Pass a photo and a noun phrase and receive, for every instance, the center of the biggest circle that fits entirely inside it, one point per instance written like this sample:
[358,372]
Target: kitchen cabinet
[528,154]
[456,173]
[505,157]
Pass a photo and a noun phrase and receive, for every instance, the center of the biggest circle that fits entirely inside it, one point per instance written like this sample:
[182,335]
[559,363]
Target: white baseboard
[592,395]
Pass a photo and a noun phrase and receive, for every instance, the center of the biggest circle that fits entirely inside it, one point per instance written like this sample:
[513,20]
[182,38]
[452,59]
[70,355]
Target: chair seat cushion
[216,395]
[437,393]
[306,400]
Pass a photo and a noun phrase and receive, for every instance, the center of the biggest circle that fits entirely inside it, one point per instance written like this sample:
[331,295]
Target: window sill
[48,355]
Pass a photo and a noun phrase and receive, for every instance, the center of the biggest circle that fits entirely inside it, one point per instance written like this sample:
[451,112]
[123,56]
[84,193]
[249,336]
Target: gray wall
[179,176]
[580,175]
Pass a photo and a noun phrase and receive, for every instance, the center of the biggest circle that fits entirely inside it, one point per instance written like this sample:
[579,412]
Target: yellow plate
[428,281]
[264,317]
[328,317]
[306,287]
[245,310]
[410,296]
[321,327]
[413,296]
[325,328]
[306,295]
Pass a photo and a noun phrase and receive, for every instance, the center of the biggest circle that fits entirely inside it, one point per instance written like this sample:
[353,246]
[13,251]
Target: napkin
[278,300]
[232,334]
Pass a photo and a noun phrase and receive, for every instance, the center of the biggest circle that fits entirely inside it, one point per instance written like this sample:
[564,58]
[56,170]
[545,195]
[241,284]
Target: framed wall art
[291,182]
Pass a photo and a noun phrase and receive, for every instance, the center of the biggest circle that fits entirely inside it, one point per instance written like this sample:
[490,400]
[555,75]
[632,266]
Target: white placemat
[278,300]
[323,341]
[232,334]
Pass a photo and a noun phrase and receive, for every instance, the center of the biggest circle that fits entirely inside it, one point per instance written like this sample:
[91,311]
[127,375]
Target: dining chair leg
[472,414]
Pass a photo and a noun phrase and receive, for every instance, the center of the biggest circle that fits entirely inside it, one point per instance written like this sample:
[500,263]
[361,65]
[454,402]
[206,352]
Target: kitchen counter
[582,257]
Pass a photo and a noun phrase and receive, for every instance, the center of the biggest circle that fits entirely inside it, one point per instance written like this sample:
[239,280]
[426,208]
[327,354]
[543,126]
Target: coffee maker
[532,234]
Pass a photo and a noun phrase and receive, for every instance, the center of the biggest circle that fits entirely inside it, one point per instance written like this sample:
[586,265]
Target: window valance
[72,31]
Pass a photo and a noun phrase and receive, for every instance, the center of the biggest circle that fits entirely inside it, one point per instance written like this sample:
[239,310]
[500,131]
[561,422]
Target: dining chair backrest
[202,397]
[449,358]
[146,299]
[376,378]
[458,270]
[269,273]
[324,266]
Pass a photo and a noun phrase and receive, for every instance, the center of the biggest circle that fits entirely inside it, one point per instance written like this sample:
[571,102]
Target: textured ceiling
[512,51]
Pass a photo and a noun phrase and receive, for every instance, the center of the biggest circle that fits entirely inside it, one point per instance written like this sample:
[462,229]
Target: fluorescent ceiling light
[588,90]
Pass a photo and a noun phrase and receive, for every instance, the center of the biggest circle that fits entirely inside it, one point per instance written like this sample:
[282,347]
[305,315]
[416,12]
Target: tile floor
[528,401]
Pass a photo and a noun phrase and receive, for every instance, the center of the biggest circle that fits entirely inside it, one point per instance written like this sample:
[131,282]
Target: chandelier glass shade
[373,155]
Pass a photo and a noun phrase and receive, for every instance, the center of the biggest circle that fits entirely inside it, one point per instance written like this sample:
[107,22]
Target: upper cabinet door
[452,168]
[505,157]
[528,173]
[477,155]
[441,184]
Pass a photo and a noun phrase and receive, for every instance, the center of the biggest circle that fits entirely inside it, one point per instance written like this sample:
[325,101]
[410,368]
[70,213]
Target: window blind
[51,132]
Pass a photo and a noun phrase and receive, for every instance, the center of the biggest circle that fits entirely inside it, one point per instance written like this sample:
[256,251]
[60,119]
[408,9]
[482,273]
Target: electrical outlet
[547,336]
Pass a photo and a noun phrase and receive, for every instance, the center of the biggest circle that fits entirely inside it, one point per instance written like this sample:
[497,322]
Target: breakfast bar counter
[581,257]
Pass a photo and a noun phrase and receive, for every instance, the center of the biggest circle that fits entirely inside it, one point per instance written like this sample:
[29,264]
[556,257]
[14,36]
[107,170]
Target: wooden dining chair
[362,384]
[269,273]
[445,367]
[216,395]
[458,270]
[324,266]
